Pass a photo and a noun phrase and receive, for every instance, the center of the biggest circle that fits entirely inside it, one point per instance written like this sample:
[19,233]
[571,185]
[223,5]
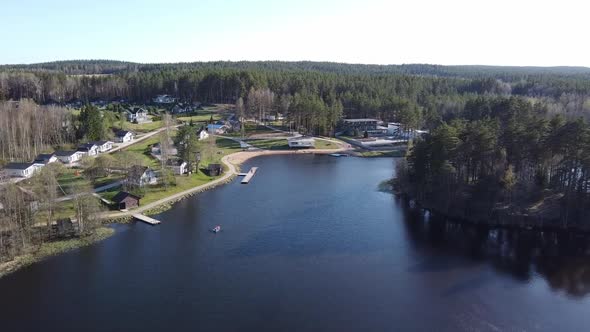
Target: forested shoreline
[503,161]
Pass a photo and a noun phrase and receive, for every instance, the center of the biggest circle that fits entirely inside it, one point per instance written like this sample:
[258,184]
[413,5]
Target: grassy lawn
[143,127]
[322,144]
[142,150]
[200,116]
[251,128]
[376,154]
[270,144]
[183,183]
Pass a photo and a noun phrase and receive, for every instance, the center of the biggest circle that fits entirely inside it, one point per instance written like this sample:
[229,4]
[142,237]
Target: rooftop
[18,165]
[121,195]
[361,120]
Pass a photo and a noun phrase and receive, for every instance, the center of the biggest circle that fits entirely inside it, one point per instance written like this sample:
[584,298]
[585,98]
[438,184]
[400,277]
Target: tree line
[503,156]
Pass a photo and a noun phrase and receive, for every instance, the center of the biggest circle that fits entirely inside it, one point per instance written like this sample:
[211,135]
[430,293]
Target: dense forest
[503,141]
[503,160]
[436,92]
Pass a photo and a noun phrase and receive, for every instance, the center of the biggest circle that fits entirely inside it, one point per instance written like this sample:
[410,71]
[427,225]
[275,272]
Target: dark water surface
[309,245]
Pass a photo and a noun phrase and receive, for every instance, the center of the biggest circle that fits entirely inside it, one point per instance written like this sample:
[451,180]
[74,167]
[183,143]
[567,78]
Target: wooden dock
[146,219]
[248,176]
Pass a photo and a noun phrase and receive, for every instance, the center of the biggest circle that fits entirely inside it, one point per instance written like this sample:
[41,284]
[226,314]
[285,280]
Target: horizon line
[298,61]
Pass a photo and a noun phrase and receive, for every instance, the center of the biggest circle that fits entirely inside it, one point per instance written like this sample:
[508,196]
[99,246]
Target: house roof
[134,110]
[122,133]
[121,195]
[175,162]
[65,153]
[360,120]
[43,158]
[137,169]
[100,143]
[87,146]
[21,166]
[301,138]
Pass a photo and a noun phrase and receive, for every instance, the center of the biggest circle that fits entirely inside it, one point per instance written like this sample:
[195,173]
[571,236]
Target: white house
[177,166]
[89,149]
[103,146]
[44,159]
[23,170]
[136,115]
[301,142]
[123,136]
[68,157]
[203,134]
[141,176]
[164,99]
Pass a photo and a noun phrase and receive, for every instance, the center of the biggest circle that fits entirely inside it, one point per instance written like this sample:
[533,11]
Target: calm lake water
[309,245]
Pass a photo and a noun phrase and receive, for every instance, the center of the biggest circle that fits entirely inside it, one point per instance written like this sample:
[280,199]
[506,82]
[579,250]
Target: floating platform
[248,176]
[146,219]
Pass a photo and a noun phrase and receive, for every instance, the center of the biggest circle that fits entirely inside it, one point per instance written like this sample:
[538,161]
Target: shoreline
[515,222]
[232,161]
[50,249]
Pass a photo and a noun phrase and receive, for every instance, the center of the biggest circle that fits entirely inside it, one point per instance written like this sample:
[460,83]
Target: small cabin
[23,170]
[123,136]
[124,200]
[214,169]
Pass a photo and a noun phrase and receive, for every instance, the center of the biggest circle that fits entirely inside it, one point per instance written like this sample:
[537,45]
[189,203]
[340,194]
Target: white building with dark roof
[22,170]
[68,157]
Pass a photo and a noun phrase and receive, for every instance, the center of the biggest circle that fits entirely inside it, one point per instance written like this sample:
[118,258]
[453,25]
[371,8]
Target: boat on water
[338,155]
[216,229]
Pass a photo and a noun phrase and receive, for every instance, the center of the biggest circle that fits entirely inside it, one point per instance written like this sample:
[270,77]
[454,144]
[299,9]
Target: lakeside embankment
[544,216]
[231,161]
[49,249]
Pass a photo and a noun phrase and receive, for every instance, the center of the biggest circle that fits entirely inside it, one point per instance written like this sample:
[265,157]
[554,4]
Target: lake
[310,244]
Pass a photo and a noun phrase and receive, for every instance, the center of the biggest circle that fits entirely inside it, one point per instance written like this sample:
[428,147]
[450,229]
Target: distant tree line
[363,90]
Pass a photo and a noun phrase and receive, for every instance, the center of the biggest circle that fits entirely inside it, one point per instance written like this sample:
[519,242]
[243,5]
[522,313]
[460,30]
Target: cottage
[45,159]
[203,134]
[68,157]
[103,146]
[136,115]
[214,169]
[178,166]
[301,142]
[141,176]
[88,149]
[123,136]
[164,99]
[22,170]
[124,200]
[156,149]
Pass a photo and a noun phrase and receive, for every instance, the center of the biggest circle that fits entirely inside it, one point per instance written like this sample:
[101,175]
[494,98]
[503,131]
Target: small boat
[216,229]
[338,155]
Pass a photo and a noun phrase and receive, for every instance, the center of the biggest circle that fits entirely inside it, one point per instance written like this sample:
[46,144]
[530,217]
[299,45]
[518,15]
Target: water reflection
[561,258]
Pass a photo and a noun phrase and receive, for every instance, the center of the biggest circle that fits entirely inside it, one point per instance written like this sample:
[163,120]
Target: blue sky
[502,32]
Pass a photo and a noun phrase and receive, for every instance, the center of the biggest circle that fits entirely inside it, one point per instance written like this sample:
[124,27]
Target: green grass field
[323,144]
[270,144]
[143,127]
